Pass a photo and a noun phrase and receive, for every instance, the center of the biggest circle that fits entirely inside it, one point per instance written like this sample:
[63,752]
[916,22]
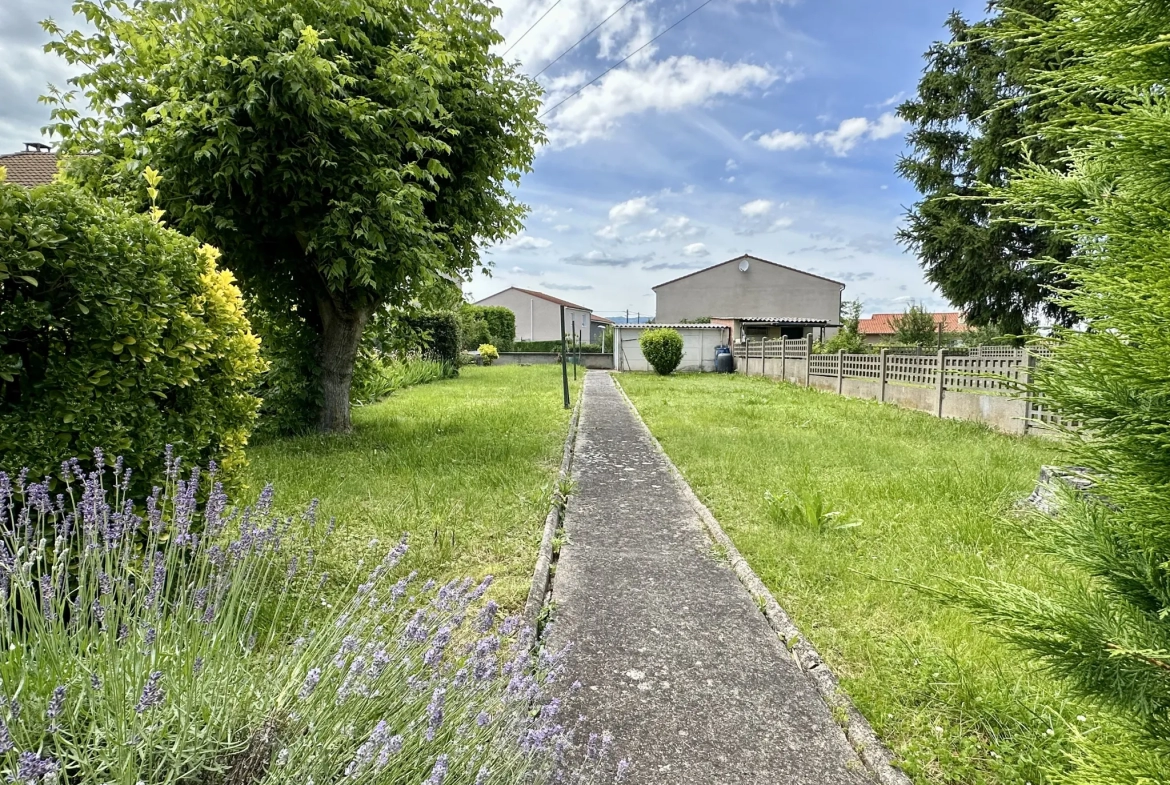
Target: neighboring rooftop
[542,296]
[600,319]
[749,257]
[687,325]
[778,320]
[36,165]
[883,323]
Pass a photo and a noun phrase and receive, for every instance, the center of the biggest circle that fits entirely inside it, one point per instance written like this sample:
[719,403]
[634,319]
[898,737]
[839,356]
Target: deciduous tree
[341,153]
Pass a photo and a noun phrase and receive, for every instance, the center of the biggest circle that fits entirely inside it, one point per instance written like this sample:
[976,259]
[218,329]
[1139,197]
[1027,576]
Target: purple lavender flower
[56,704]
[435,653]
[152,693]
[487,617]
[158,580]
[94,681]
[623,769]
[151,636]
[32,768]
[482,777]
[435,712]
[416,628]
[105,584]
[6,744]
[482,719]
[312,678]
[47,594]
[439,772]
[197,666]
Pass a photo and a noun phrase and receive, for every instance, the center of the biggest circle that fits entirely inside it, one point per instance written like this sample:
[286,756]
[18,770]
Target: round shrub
[119,333]
[662,348]
[488,353]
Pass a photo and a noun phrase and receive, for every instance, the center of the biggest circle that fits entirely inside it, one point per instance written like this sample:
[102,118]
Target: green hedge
[436,334]
[116,333]
[554,346]
[482,324]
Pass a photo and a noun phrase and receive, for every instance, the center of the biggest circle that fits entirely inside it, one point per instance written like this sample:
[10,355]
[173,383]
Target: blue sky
[753,127]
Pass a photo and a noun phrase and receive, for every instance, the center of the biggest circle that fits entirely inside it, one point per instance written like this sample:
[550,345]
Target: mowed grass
[465,467]
[933,502]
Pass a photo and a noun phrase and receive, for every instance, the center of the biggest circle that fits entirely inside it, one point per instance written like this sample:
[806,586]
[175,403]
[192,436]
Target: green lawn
[933,501]
[465,466]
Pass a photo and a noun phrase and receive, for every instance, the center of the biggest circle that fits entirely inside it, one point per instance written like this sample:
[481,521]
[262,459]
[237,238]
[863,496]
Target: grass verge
[464,466]
[843,507]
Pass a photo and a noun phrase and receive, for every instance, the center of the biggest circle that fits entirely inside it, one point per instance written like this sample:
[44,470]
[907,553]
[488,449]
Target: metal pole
[576,354]
[564,366]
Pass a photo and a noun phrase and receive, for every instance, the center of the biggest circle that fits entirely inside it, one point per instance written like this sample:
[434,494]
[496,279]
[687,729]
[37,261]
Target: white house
[757,298]
[538,315]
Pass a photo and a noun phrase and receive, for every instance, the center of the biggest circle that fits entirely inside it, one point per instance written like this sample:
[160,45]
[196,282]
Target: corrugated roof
[541,295]
[883,323]
[779,320]
[650,325]
[754,259]
[30,168]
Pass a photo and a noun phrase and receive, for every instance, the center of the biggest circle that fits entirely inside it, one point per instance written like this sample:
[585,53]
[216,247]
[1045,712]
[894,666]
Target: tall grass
[171,642]
[783,468]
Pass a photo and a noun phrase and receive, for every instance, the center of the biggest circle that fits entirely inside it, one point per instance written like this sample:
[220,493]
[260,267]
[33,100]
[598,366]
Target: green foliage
[488,353]
[436,335]
[663,349]
[473,328]
[501,325]
[915,327]
[555,346]
[848,339]
[389,374]
[607,339]
[344,155]
[118,333]
[807,508]
[975,120]
[289,389]
[1105,624]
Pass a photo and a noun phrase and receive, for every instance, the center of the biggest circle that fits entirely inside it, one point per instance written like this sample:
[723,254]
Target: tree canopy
[341,153]
[975,120]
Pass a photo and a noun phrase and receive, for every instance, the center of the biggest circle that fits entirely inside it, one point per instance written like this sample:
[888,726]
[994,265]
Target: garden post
[783,359]
[941,379]
[840,372]
[764,357]
[564,359]
[882,375]
[808,344]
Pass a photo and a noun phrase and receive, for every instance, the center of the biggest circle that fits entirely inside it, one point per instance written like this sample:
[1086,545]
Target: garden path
[673,656]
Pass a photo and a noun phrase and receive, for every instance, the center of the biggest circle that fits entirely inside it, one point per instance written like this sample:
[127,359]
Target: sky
[754,126]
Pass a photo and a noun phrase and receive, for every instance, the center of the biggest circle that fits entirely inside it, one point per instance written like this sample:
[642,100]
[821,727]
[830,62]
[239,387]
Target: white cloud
[668,85]
[756,208]
[603,259]
[565,26]
[847,135]
[784,140]
[731,165]
[697,250]
[631,209]
[676,226]
[562,228]
[607,232]
[524,242]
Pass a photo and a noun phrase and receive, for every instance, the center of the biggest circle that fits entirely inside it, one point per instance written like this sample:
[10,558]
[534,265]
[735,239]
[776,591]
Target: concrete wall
[1001,412]
[765,290]
[538,319]
[699,344]
[591,360]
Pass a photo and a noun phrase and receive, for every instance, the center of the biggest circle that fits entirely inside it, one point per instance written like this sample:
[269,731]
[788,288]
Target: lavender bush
[178,642]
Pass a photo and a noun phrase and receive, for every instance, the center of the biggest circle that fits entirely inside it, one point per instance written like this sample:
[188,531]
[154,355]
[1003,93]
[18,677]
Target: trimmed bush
[488,353]
[435,334]
[133,651]
[663,349]
[554,346]
[118,332]
[501,324]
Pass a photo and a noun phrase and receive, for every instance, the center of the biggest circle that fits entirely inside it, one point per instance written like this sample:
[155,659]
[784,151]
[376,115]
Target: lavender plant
[177,642]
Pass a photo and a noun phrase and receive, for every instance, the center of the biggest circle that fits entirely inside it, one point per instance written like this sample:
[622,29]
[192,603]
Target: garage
[699,342]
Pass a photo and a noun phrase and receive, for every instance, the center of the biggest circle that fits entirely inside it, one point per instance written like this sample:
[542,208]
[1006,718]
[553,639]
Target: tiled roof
[883,323]
[595,318]
[542,296]
[30,168]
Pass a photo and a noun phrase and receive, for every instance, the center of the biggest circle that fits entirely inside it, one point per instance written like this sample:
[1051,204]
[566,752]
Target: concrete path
[673,655]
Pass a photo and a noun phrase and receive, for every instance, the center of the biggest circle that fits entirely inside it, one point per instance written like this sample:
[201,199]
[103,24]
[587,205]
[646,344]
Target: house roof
[795,320]
[30,168]
[601,319]
[652,325]
[754,259]
[541,295]
[883,323]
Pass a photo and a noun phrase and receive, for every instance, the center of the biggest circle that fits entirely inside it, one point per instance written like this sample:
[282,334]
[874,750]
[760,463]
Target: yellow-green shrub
[116,333]
[488,353]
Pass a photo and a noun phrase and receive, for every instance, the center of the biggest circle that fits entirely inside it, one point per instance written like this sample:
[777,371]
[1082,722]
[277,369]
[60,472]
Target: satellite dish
[744,265]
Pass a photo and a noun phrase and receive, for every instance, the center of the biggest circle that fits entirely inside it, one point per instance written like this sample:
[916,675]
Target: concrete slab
[673,655]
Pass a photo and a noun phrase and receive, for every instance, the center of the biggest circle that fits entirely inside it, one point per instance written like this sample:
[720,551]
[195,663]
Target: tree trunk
[341,335]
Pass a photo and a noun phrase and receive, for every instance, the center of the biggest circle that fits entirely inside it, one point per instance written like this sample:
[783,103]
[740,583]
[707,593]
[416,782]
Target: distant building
[597,325]
[538,315]
[879,328]
[37,165]
[755,298]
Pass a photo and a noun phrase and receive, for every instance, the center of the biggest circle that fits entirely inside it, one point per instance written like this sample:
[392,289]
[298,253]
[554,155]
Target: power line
[627,57]
[529,30]
[582,38]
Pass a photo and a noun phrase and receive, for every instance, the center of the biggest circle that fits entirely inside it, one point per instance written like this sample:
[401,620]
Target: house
[879,328]
[755,298]
[36,165]
[597,325]
[538,315]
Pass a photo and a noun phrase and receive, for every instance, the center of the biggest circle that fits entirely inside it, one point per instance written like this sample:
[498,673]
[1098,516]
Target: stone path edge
[858,731]
[542,573]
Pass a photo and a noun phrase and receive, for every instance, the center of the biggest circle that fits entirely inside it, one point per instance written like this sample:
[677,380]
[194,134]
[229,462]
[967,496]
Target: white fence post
[942,375]
[882,376]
